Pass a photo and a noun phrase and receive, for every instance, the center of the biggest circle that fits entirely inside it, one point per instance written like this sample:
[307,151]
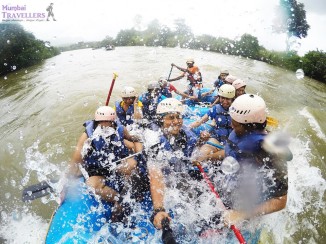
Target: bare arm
[127,136]
[137,110]
[199,122]
[216,101]
[157,187]
[270,206]
[177,78]
[76,159]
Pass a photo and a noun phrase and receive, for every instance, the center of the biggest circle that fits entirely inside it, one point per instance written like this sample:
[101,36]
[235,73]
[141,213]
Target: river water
[44,106]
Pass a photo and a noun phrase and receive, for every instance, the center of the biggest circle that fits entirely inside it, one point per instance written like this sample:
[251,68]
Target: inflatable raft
[82,218]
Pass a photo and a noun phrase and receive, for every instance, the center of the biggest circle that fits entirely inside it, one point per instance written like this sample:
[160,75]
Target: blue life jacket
[186,143]
[258,178]
[150,105]
[244,147]
[103,152]
[125,117]
[218,83]
[223,122]
[165,92]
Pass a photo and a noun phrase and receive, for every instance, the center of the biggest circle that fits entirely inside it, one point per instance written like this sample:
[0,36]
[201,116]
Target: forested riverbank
[20,49]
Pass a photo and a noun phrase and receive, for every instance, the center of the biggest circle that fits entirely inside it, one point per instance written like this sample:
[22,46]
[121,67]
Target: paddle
[272,122]
[167,234]
[33,192]
[115,75]
[170,73]
[211,186]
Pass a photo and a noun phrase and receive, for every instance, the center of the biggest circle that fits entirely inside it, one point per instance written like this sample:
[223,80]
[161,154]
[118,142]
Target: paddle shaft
[111,88]
[167,235]
[170,72]
[235,230]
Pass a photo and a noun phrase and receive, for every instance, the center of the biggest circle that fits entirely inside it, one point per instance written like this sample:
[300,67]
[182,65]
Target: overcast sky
[87,20]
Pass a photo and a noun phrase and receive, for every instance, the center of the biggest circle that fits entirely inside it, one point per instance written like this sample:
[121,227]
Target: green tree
[183,33]
[291,19]
[20,49]
[314,65]
[247,46]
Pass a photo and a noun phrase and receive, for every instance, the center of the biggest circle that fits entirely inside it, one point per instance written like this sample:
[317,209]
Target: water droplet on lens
[230,165]
[294,43]
[299,74]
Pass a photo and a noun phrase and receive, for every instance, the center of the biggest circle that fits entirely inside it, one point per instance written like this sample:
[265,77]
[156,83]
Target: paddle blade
[272,122]
[36,191]
[167,235]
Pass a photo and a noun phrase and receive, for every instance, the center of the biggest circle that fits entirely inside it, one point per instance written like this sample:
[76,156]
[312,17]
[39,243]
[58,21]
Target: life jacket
[186,143]
[223,123]
[125,117]
[150,105]
[244,147]
[101,152]
[166,92]
[218,83]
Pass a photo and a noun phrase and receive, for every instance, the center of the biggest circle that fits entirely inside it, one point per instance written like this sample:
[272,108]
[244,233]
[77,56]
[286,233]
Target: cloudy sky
[87,20]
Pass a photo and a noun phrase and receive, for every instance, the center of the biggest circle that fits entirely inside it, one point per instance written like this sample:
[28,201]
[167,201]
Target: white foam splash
[313,123]
[28,228]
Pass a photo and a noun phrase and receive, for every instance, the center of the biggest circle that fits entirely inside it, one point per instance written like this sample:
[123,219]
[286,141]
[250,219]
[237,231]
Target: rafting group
[194,166]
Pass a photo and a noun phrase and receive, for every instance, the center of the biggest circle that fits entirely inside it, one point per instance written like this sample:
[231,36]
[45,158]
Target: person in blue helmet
[260,185]
[97,150]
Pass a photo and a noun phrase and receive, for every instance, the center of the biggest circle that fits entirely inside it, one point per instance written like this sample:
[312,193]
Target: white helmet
[162,82]
[227,91]
[169,105]
[190,60]
[128,91]
[230,78]
[153,85]
[248,108]
[224,71]
[238,83]
[105,113]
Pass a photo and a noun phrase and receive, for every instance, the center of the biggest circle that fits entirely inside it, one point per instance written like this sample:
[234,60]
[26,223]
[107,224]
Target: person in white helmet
[150,100]
[97,149]
[218,83]
[240,87]
[171,161]
[222,128]
[260,186]
[129,110]
[167,89]
[192,72]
